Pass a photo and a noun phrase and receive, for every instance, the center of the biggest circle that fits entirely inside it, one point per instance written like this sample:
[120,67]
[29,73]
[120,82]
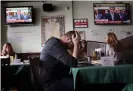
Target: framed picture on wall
[51,26]
[80,23]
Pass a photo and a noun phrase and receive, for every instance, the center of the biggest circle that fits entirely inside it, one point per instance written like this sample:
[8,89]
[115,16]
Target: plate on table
[21,63]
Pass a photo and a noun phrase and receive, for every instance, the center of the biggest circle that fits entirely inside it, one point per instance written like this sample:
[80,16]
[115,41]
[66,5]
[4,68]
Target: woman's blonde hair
[113,41]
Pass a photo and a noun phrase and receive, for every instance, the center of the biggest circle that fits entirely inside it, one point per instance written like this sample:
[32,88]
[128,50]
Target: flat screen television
[112,13]
[19,15]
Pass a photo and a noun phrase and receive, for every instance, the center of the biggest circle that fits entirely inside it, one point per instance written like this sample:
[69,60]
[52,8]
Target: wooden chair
[5,73]
[5,62]
[34,62]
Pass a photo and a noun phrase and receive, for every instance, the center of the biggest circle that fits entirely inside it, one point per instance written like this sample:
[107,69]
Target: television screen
[112,14]
[18,15]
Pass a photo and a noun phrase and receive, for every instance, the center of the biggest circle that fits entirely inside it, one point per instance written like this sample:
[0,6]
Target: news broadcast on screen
[15,15]
[111,14]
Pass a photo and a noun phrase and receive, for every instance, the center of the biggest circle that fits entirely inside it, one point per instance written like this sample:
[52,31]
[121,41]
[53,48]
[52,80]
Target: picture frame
[52,26]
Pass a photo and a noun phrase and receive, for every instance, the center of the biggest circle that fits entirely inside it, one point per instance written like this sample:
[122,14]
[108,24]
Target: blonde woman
[113,46]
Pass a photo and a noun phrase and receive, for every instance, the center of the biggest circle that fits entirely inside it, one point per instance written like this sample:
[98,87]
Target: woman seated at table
[83,51]
[113,46]
[7,50]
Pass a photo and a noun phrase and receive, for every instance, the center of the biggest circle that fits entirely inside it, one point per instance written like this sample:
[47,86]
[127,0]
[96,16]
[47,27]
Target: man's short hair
[69,33]
[111,7]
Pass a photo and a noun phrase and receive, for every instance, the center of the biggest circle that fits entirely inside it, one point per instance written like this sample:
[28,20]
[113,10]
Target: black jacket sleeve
[61,54]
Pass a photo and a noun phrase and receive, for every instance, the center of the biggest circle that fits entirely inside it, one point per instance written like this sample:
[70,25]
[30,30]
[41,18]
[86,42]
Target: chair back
[5,70]
[5,61]
[34,62]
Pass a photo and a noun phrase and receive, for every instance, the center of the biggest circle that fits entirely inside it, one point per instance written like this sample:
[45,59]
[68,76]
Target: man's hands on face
[76,39]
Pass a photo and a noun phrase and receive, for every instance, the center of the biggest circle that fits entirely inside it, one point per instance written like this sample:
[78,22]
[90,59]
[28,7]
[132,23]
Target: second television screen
[111,14]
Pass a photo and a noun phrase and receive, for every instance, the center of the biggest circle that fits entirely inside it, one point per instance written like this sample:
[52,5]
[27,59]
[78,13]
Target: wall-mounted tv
[112,13]
[19,15]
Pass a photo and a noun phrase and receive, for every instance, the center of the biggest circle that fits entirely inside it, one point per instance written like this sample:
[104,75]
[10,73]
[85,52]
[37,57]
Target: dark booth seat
[126,50]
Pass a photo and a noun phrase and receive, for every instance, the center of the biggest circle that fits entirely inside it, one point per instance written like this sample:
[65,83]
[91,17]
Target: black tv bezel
[19,23]
[127,4]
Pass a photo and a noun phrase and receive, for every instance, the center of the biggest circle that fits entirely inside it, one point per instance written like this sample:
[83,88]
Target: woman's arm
[0,53]
[109,50]
[3,53]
